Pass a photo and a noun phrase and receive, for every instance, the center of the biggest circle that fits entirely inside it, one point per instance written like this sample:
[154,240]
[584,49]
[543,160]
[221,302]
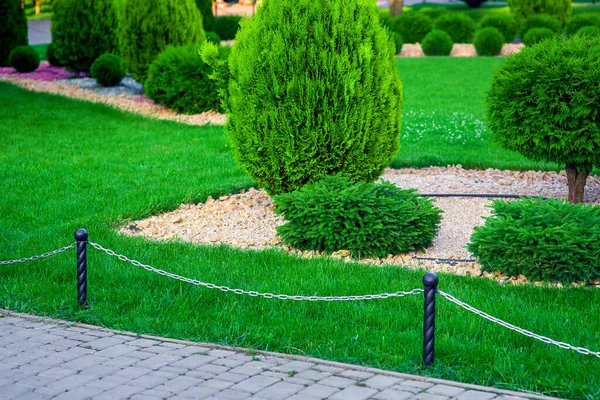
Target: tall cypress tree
[208,19]
[13,28]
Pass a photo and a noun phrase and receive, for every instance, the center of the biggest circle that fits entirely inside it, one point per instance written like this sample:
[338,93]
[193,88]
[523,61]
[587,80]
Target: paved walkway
[43,358]
[39,32]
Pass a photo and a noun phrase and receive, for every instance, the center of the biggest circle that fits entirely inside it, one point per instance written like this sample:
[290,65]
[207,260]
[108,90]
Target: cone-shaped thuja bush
[148,26]
[312,90]
[13,28]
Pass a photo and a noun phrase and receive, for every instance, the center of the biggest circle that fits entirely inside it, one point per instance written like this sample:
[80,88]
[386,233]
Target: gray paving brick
[188,351]
[273,374]
[151,393]
[45,338]
[318,391]
[159,349]
[35,382]
[80,393]
[381,382]
[107,383]
[506,397]
[216,384]
[70,382]
[117,350]
[417,384]
[391,394]
[58,373]
[164,374]
[445,390]
[174,370]
[327,368]
[357,375]
[221,353]
[67,343]
[144,396]
[354,393]
[16,360]
[302,397]
[34,369]
[475,395]
[279,391]
[231,395]
[118,393]
[337,382]
[157,361]
[193,362]
[299,381]
[144,342]
[132,372]
[200,375]
[104,343]
[228,362]
[245,370]
[33,396]
[121,362]
[48,362]
[147,381]
[313,375]
[84,362]
[99,333]
[99,371]
[11,390]
[198,393]
[260,364]
[255,384]
[429,396]
[178,385]
[231,377]
[73,353]
[36,353]
[140,354]
[297,366]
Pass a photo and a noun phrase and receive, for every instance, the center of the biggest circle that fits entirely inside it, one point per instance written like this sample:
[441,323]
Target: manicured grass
[41,50]
[67,164]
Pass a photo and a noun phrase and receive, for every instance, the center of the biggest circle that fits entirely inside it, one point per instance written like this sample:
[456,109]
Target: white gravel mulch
[458,50]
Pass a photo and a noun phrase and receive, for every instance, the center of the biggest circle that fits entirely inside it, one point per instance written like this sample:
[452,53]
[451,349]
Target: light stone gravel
[247,220]
[458,50]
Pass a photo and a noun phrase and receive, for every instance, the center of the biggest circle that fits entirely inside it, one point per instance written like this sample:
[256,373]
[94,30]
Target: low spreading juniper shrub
[227,26]
[412,26]
[547,240]
[536,35]
[488,42]
[459,26]
[108,70]
[580,20]
[540,21]
[368,219]
[24,59]
[506,24]
[589,31]
[437,43]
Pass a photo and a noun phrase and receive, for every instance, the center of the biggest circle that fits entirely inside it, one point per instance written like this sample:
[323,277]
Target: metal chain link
[253,293]
[48,254]
[522,331]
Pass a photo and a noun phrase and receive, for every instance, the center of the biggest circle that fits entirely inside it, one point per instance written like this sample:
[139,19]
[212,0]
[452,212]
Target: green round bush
[316,104]
[178,79]
[544,240]
[108,70]
[13,29]
[536,35]
[542,104]
[458,25]
[227,26]
[398,42]
[589,31]
[24,59]
[437,43]
[488,42]
[412,26]
[148,27]
[474,3]
[82,30]
[522,9]
[51,57]
[580,20]
[540,21]
[206,11]
[213,37]
[368,219]
[504,23]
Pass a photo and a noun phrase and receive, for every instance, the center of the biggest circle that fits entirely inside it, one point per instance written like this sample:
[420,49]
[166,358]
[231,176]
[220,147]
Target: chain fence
[48,254]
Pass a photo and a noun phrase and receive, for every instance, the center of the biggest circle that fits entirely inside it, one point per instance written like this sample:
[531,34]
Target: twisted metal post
[430,282]
[81,236]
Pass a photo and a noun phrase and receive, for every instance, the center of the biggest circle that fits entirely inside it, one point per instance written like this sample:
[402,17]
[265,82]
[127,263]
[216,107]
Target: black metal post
[430,282]
[81,236]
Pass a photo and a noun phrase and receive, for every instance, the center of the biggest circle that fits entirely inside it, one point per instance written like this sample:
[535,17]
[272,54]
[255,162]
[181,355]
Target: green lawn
[41,50]
[67,164]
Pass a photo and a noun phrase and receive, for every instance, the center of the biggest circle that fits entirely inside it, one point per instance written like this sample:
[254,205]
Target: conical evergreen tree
[13,28]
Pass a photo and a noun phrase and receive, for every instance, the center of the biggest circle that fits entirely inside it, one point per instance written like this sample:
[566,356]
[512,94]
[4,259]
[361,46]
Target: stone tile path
[42,358]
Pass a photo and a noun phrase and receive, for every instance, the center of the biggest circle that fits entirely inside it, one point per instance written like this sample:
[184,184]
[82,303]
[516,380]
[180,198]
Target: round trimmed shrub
[322,101]
[580,20]
[522,9]
[536,35]
[544,240]
[589,31]
[474,3]
[51,57]
[213,37]
[542,104]
[412,26]
[504,23]
[437,43]
[458,25]
[488,42]
[148,27]
[24,59]
[13,28]
[83,30]
[108,70]
[206,11]
[398,42]
[227,26]
[540,21]
[368,219]
[178,79]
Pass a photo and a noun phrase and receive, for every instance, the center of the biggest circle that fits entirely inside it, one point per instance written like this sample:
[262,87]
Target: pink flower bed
[45,72]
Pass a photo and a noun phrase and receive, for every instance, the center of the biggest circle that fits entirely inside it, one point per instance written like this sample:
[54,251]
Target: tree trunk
[396,7]
[576,179]
[37,7]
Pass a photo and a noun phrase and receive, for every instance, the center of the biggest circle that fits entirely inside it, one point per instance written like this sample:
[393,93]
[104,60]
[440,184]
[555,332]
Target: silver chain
[48,254]
[522,331]
[253,293]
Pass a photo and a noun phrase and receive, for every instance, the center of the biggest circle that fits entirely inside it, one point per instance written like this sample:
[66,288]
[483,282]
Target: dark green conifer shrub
[368,219]
[580,20]
[504,23]
[437,43]
[324,99]
[589,31]
[522,9]
[206,11]
[148,27]
[179,79]
[51,57]
[488,42]
[544,240]
[544,104]
[458,25]
[412,26]
[227,26]
[13,28]
[536,35]
[24,59]
[540,21]
[213,38]
[82,30]
[384,17]
[108,70]
[398,42]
